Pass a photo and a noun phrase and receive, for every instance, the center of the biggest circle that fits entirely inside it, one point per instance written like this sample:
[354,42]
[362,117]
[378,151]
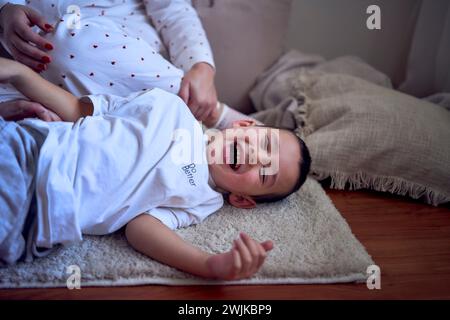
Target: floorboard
[410,241]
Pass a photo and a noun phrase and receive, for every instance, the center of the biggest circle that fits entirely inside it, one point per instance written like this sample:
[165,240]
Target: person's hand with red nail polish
[198,91]
[25,46]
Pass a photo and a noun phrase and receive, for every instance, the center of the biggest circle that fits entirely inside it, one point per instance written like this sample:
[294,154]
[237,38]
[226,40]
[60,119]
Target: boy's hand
[25,45]
[242,261]
[20,109]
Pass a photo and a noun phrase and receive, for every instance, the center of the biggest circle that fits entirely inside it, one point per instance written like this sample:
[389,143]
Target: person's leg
[19,151]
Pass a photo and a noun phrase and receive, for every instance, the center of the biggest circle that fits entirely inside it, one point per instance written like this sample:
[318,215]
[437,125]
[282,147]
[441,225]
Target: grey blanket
[274,100]
[273,97]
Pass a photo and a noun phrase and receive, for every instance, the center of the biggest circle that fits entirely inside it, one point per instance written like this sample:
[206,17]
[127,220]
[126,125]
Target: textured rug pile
[313,244]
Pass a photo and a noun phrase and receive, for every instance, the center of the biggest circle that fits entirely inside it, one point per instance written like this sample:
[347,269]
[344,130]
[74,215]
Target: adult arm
[30,84]
[152,238]
[182,33]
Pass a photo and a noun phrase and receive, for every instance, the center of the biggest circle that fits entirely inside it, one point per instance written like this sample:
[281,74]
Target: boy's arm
[37,89]
[149,236]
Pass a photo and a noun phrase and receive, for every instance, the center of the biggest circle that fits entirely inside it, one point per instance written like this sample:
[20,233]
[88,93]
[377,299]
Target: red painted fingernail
[41,67]
[48,46]
[48,26]
[45,59]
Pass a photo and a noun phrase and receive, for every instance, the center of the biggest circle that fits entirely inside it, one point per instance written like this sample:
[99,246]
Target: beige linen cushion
[366,136]
[246,37]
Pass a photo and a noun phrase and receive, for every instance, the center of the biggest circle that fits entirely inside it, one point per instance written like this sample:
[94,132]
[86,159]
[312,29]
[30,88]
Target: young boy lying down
[142,162]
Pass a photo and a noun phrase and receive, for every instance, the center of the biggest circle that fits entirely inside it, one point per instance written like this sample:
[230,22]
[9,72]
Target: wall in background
[334,28]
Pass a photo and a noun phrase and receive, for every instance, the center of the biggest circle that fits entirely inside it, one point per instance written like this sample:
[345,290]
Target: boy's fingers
[262,256]
[254,251]
[246,257]
[24,109]
[36,109]
[237,263]
[29,108]
[267,245]
[44,115]
[54,116]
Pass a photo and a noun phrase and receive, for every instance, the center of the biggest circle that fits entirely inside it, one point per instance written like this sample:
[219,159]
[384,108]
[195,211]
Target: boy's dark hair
[304,166]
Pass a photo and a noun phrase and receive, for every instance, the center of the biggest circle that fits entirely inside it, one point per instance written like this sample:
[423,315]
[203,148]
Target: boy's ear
[243,123]
[243,202]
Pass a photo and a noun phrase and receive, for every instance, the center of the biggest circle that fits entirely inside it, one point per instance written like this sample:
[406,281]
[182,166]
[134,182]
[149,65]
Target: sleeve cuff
[192,62]
[97,102]
[187,60]
[165,216]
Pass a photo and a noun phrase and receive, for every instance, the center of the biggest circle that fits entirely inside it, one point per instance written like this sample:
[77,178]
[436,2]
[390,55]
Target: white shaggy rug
[313,244]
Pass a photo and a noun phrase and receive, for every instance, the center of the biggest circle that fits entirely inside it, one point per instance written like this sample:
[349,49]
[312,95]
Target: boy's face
[266,162]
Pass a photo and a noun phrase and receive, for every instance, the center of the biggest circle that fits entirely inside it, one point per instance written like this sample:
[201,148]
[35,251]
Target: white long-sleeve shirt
[114,46]
[143,153]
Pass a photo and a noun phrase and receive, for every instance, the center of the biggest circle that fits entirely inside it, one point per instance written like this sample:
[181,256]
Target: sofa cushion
[364,135]
[246,38]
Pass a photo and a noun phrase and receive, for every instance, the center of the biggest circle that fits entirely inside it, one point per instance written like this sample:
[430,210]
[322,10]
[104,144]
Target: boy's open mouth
[234,156]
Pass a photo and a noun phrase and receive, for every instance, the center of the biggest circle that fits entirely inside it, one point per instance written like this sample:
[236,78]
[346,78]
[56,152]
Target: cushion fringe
[302,83]
[394,185]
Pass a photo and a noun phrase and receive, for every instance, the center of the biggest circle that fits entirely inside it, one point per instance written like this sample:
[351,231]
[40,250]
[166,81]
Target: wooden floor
[410,242]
